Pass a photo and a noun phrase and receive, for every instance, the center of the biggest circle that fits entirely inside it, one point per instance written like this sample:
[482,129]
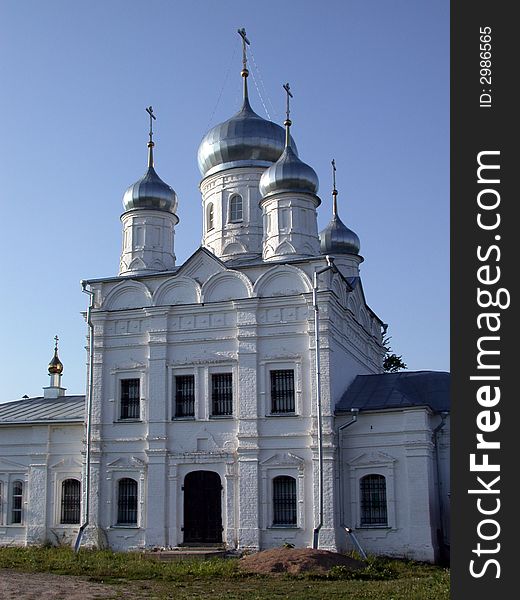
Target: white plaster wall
[271,326]
[396,444]
[227,239]
[41,456]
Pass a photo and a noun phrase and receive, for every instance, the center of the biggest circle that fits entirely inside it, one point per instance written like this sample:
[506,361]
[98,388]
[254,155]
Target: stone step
[187,554]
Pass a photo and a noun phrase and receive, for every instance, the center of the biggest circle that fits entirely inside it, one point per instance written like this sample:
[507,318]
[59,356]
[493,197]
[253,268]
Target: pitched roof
[29,410]
[398,390]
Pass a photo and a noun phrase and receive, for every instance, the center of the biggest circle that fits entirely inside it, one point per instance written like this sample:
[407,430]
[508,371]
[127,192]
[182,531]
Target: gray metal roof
[30,410]
[398,390]
[244,140]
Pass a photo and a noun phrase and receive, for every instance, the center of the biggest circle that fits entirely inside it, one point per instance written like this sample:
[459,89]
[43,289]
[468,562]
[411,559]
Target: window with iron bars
[222,394]
[127,502]
[70,502]
[373,500]
[282,391]
[284,500]
[184,395]
[130,399]
[16,502]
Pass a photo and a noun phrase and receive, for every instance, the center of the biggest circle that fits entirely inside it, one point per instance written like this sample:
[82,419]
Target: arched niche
[129,294]
[352,304]
[226,285]
[282,280]
[178,290]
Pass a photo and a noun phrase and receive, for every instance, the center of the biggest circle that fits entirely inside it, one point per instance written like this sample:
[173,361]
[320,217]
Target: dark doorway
[202,508]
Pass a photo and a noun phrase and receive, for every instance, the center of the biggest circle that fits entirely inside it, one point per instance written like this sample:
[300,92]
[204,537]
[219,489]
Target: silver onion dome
[337,238]
[288,174]
[150,192]
[244,140]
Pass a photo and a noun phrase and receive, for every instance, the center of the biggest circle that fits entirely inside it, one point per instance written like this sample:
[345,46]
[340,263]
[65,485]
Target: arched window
[373,500]
[127,501]
[210,217]
[284,500]
[70,502]
[16,502]
[235,208]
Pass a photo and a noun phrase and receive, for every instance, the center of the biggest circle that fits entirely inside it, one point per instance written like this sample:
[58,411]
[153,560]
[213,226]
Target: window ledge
[374,527]
[220,416]
[183,418]
[134,527]
[287,414]
[128,421]
[295,527]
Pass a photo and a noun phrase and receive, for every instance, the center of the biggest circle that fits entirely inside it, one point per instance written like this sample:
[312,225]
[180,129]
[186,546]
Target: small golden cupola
[55,370]
[55,366]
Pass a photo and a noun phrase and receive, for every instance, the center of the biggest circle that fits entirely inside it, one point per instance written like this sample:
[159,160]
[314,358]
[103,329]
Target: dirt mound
[296,560]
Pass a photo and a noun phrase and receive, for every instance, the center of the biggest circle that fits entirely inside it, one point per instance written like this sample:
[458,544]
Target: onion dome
[55,366]
[150,192]
[337,238]
[244,140]
[289,173]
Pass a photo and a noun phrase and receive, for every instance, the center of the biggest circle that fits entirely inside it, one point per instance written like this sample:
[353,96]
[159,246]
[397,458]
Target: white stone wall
[290,227]
[227,238]
[42,457]
[148,241]
[397,444]
[246,323]
[208,319]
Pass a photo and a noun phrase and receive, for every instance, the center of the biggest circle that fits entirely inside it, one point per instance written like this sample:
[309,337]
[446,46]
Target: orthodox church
[238,399]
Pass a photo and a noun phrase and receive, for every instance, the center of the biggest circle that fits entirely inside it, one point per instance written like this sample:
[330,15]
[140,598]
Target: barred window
[210,219]
[222,394]
[373,500]
[16,502]
[284,500]
[127,502]
[185,396]
[130,399]
[235,208]
[282,391]
[70,502]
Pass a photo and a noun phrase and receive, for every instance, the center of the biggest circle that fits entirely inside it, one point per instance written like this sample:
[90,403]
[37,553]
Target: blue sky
[371,89]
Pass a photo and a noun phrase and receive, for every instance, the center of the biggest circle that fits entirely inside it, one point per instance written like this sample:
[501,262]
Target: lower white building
[204,387]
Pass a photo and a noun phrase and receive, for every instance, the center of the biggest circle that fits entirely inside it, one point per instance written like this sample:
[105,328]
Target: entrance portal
[202,508]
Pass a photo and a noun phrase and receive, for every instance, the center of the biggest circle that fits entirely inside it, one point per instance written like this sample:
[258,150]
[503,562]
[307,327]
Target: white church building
[238,399]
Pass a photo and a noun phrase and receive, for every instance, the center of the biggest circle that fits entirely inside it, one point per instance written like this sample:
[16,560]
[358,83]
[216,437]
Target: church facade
[210,417]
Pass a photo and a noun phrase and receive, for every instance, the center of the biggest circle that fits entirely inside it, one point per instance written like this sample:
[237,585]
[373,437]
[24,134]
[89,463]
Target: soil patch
[295,561]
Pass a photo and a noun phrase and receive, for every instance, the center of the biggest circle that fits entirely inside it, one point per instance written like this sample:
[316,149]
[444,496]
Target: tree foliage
[392,362]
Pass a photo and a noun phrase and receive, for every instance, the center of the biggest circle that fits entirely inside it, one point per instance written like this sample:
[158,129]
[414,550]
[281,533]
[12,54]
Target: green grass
[134,576]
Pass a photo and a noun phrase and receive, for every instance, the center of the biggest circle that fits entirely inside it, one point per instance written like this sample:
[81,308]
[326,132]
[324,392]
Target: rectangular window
[16,502]
[127,502]
[130,399]
[282,391]
[185,396]
[373,501]
[235,209]
[70,502]
[284,501]
[222,394]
